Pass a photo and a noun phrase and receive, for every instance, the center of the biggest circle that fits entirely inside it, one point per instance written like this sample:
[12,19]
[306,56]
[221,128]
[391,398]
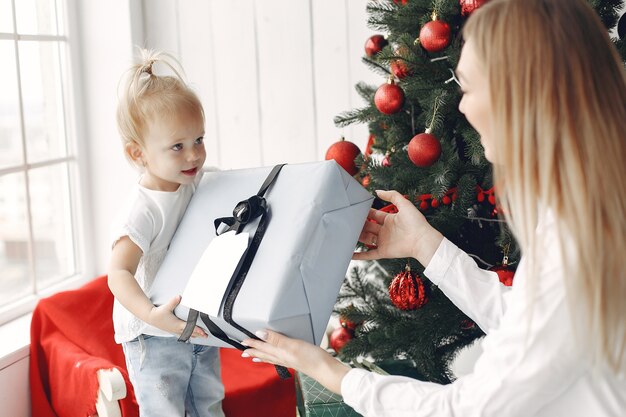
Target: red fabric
[72,338]
[255,389]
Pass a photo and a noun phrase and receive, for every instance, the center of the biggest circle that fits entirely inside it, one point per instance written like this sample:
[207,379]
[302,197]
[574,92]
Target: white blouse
[531,364]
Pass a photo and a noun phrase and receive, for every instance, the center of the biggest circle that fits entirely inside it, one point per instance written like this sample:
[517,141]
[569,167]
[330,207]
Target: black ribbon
[243,213]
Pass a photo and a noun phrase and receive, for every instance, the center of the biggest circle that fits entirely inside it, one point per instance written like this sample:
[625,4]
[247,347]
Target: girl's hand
[404,234]
[163,318]
[297,354]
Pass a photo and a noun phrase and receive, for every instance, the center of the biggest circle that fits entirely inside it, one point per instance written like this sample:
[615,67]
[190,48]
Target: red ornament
[424,205]
[407,291]
[401,1]
[339,337]
[390,208]
[435,35]
[446,200]
[505,274]
[350,325]
[424,149]
[366,181]
[399,68]
[389,98]
[468,6]
[375,44]
[344,153]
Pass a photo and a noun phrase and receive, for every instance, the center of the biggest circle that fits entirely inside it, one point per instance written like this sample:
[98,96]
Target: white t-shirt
[529,368]
[149,218]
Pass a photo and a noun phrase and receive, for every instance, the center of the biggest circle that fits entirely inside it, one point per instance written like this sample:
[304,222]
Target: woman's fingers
[274,348]
[393,197]
[366,256]
[376,215]
[369,234]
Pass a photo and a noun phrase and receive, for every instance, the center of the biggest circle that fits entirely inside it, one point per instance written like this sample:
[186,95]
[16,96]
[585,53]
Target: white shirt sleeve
[529,357]
[476,292]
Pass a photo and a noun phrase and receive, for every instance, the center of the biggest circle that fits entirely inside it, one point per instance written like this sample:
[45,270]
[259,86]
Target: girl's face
[476,102]
[173,152]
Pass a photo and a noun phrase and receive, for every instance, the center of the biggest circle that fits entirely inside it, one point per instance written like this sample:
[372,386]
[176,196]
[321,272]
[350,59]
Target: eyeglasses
[453,78]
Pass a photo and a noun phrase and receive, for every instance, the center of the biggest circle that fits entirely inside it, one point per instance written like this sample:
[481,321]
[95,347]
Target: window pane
[42,100]
[14,260]
[52,224]
[6,17]
[10,131]
[36,17]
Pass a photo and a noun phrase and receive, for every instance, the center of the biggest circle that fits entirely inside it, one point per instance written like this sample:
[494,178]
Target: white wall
[271,74]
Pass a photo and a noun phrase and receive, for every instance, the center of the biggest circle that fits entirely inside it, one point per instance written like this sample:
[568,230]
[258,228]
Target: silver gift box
[316,213]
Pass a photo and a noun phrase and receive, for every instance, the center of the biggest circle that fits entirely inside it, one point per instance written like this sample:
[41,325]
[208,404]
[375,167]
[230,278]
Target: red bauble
[505,274]
[339,337]
[389,98]
[407,291]
[424,149]
[400,69]
[435,35]
[375,44]
[468,6]
[366,181]
[344,153]
[350,325]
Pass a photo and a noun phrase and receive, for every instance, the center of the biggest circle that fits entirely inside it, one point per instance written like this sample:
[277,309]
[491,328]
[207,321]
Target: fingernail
[256,360]
[244,343]
[245,355]
[261,334]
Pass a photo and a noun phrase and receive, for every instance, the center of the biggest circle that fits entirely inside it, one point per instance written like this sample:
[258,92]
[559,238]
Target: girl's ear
[135,153]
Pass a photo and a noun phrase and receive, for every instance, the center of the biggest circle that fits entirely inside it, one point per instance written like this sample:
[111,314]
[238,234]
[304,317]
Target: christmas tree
[422,146]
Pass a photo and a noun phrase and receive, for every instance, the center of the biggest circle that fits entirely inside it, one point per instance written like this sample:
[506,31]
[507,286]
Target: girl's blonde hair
[146,97]
[558,91]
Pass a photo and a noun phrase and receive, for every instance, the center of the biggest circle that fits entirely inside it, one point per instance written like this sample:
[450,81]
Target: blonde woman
[546,91]
[161,122]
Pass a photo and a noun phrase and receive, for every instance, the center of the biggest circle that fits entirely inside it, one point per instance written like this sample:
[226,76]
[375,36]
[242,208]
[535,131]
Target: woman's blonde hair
[146,97]
[558,91]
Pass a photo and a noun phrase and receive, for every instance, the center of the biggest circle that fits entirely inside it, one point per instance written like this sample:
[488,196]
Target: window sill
[15,341]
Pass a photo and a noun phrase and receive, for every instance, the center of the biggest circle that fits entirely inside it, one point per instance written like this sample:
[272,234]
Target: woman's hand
[297,354]
[404,234]
[163,318]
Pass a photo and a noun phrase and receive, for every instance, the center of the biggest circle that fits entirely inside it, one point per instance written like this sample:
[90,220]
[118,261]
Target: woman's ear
[135,153]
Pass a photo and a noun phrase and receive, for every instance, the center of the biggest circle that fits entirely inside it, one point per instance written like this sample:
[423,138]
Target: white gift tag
[211,276]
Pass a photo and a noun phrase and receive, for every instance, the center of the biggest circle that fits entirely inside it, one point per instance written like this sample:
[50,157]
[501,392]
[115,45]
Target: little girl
[161,122]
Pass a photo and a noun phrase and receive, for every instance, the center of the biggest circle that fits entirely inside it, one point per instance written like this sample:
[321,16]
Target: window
[39,229]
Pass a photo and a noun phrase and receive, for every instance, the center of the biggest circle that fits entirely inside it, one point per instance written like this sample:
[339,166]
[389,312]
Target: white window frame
[71,83]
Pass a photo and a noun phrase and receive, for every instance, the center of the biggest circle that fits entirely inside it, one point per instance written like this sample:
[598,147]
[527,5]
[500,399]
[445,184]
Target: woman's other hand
[404,234]
[297,354]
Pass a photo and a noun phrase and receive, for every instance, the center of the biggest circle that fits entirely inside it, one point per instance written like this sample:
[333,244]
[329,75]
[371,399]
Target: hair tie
[147,68]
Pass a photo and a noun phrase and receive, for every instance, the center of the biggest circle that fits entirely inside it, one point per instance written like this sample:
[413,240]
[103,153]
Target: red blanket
[72,338]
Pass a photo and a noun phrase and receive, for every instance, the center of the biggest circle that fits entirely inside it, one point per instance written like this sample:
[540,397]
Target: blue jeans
[172,378]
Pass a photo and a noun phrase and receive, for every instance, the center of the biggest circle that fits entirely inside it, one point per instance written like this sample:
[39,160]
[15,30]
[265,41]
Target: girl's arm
[124,261]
